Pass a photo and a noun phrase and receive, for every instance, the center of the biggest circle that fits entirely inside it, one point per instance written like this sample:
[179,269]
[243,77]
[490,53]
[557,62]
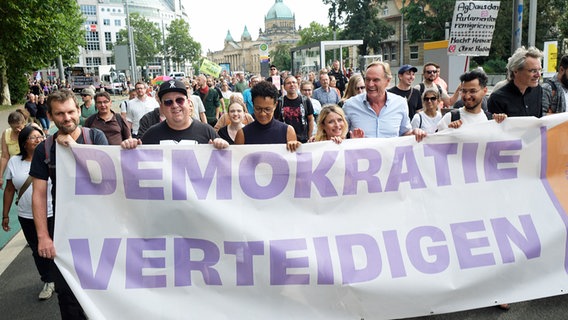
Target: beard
[67,129]
[564,80]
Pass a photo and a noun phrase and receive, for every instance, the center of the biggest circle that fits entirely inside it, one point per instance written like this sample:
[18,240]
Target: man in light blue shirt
[325,94]
[378,113]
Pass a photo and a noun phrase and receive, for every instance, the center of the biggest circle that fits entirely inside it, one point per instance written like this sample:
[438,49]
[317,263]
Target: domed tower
[279,20]
[229,38]
[246,35]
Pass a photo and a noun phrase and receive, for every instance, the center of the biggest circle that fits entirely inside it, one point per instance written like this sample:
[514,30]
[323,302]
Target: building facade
[105,18]
[244,55]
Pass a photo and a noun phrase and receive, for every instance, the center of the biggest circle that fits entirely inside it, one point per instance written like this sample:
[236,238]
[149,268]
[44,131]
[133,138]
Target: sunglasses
[432,99]
[179,101]
[431,71]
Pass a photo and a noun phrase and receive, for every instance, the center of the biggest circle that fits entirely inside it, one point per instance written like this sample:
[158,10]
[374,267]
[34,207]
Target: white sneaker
[47,291]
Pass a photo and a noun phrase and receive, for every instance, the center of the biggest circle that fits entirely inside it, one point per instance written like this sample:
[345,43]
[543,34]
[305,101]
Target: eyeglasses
[272,68]
[102,102]
[431,99]
[36,138]
[360,88]
[84,95]
[265,110]
[533,71]
[179,101]
[431,71]
[472,91]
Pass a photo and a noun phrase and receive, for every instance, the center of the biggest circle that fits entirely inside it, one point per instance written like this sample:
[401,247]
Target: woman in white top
[16,177]
[427,119]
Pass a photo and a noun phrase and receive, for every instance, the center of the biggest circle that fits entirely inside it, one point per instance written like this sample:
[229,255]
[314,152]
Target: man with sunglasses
[179,126]
[429,75]
[404,89]
[88,107]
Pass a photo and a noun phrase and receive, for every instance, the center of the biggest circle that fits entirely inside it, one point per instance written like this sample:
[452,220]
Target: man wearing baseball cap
[404,89]
[179,126]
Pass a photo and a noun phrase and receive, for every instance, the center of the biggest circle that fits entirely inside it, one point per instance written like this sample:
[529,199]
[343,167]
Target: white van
[177,75]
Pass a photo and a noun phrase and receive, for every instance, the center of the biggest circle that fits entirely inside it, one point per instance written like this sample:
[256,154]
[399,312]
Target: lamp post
[131,45]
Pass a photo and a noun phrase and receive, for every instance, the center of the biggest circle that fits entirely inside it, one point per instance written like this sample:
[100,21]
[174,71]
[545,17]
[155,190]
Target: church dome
[246,35]
[229,38]
[279,11]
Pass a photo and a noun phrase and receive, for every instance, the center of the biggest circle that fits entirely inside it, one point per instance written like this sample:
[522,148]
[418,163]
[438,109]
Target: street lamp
[131,45]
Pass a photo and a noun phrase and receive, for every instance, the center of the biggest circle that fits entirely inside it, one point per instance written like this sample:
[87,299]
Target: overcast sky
[210,24]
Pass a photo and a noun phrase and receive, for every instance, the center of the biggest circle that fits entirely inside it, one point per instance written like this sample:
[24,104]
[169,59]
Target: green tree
[360,20]
[34,33]
[147,39]
[427,18]
[280,56]
[180,45]
[314,33]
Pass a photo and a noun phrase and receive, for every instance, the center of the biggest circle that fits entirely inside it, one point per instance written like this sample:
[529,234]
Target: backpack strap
[420,125]
[23,189]
[87,139]
[421,88]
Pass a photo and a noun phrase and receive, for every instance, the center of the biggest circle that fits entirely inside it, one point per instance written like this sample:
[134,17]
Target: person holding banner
[332,125]
[378,113]
[179,124]
[267,130]
[522,95]
[64,111]
[473,89]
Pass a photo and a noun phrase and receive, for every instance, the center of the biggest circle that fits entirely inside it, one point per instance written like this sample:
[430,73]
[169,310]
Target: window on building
[110,60]
[393,52]
[385,11]
[108,41]
[413,52]
[117,22]
[92,38]
[118,37]
[106,22]
[93,61]
[89,10]
[386,54]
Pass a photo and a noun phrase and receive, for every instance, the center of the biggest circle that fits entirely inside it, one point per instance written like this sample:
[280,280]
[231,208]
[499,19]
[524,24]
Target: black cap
[171,86]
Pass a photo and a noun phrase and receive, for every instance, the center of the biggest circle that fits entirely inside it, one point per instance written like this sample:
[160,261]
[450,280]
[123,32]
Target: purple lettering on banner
[306,176]
[505,233]
[84,185]
[464,245]
[83,263]
[440,154]
[394,254]
[184,162]
[280,263]
[323,258]
[184,265]
[372,256]
[244,253]
[493,159]
[135,263]
[353,175]
[247,175]
[404,155]
[469,162]
[132,174]
[440,252]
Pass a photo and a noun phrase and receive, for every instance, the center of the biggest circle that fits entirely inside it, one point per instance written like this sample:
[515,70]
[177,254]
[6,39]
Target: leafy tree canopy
[314,33]
[280,56]
[147,39]
[180,45]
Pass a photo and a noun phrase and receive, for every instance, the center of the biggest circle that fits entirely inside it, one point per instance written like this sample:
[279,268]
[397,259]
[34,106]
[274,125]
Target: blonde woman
[332,125]
[355,86]
[225,119]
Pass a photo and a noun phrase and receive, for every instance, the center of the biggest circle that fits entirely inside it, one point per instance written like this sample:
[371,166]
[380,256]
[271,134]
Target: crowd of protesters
[330,105]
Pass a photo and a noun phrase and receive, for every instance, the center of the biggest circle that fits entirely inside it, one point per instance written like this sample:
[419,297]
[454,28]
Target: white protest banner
[472,28]
[370,228]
